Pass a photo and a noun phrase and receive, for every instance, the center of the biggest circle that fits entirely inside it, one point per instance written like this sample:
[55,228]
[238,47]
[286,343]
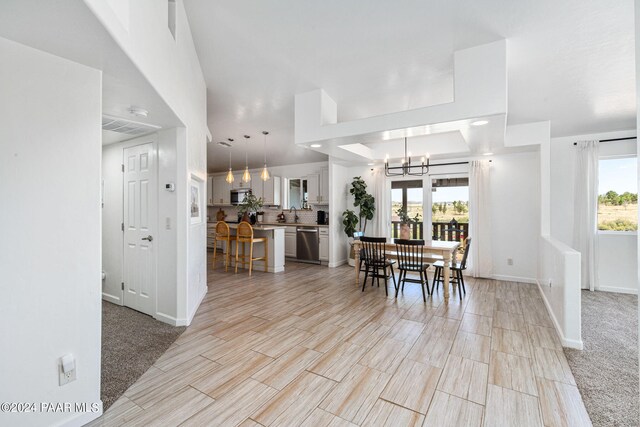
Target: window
[450,202]
[618,194]
[407,196]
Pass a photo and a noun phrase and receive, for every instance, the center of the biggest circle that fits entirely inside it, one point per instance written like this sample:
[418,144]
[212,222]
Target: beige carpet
[131,342]
[606,371]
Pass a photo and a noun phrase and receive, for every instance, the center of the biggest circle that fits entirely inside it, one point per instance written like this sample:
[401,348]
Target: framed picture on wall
[195,200]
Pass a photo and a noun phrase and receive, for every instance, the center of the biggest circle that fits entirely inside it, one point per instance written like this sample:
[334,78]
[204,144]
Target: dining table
[433,250]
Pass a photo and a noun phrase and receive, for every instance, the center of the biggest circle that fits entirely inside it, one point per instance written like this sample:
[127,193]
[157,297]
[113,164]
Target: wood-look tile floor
[307,347]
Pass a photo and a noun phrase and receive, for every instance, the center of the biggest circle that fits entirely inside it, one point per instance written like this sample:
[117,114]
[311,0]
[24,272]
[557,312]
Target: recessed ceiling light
[487,154]
[315,145]
[479,122]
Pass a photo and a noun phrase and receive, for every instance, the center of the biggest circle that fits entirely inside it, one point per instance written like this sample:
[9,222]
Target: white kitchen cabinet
[313,188]
[271,191]
[210,191]
[290,242]
[257,188]
[221,191]
[324,186]
[324,243]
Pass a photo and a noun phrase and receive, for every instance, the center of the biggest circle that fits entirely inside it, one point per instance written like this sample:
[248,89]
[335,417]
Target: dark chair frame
[456,270]
[411,258]
[375,259]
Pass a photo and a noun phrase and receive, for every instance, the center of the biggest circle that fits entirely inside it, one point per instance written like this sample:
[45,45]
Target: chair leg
[266,256]
[250,257]
[393,277]
[457,273]
[462,282]
[215,247]
[237,249]
[424,298]
[384,274]
[399,281]
[366,275]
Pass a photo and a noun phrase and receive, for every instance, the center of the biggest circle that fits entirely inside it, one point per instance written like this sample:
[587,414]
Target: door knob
[149,238]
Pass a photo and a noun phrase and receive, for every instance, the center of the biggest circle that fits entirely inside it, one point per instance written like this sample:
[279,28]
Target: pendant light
[265,172]
[229,178]
[246,176]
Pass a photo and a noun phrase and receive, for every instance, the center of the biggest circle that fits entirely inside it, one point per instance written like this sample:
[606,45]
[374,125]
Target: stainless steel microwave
[237,196]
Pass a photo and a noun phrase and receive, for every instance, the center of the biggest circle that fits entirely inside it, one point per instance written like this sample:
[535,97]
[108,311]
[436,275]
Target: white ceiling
[571,62]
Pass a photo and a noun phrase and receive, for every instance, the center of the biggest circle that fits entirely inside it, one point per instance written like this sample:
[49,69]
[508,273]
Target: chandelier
[406,168]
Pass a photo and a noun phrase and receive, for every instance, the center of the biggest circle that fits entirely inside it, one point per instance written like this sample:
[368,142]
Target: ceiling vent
[115,124]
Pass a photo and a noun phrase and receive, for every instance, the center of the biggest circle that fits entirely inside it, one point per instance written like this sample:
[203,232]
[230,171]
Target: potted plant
[358,222]
[405,220]
[249,206]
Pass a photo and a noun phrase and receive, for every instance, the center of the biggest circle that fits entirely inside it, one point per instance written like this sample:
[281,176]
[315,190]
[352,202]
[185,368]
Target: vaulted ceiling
[570,62]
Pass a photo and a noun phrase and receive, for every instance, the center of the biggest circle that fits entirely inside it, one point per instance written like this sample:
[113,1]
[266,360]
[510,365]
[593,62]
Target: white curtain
[382,217]
[585,211]
[480,219]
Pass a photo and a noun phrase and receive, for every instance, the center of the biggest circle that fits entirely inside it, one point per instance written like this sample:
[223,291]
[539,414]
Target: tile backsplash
[271,215]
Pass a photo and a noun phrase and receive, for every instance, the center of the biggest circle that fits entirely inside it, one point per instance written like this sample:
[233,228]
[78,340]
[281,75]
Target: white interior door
[140,212]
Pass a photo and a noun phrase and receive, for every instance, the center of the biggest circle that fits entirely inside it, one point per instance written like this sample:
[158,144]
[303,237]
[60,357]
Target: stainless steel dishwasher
[307,244]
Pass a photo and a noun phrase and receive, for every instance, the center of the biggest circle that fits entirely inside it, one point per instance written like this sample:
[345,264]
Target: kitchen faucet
[295,218]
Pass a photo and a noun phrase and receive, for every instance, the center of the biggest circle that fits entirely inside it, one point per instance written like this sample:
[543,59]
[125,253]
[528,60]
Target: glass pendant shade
[265,173]
[229,178]
[246,176]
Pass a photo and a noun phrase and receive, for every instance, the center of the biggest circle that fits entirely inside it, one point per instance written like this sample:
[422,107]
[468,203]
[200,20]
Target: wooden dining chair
[456,269]
[375,261]
[244,234]
[223,234]
[411,259]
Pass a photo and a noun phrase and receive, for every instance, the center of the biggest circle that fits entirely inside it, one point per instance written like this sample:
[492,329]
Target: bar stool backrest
[244,231]
[463,264]
[222,229]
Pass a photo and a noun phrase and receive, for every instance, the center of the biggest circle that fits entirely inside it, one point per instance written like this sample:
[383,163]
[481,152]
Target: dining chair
[411,258]
[223,234]
[375,260]
[456,269]
[244,234]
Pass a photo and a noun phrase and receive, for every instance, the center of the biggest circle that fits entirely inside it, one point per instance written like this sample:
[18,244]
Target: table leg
[446,272]
[357,266]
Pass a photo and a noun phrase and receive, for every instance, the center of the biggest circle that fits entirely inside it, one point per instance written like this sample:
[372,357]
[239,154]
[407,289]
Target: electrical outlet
[509,261]
[168,223]
[66,377]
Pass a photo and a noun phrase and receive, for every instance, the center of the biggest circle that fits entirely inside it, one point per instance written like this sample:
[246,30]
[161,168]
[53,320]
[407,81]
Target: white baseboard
[111,298]
[195,308]
[617,290]
[337,263]
[82,418]
[170,320]
[514,278]
[577,344]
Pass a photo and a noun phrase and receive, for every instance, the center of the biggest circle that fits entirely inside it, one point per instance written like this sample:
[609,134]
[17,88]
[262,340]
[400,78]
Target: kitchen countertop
[276,224]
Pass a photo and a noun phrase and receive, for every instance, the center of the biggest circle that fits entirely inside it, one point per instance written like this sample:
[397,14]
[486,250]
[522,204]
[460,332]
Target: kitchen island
[275,240]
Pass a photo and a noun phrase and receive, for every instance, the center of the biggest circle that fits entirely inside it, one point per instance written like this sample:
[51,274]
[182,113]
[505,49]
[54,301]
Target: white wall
[515,213]
[559,282]
[339,180]
[171,66]
[617,272]
[50,148]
